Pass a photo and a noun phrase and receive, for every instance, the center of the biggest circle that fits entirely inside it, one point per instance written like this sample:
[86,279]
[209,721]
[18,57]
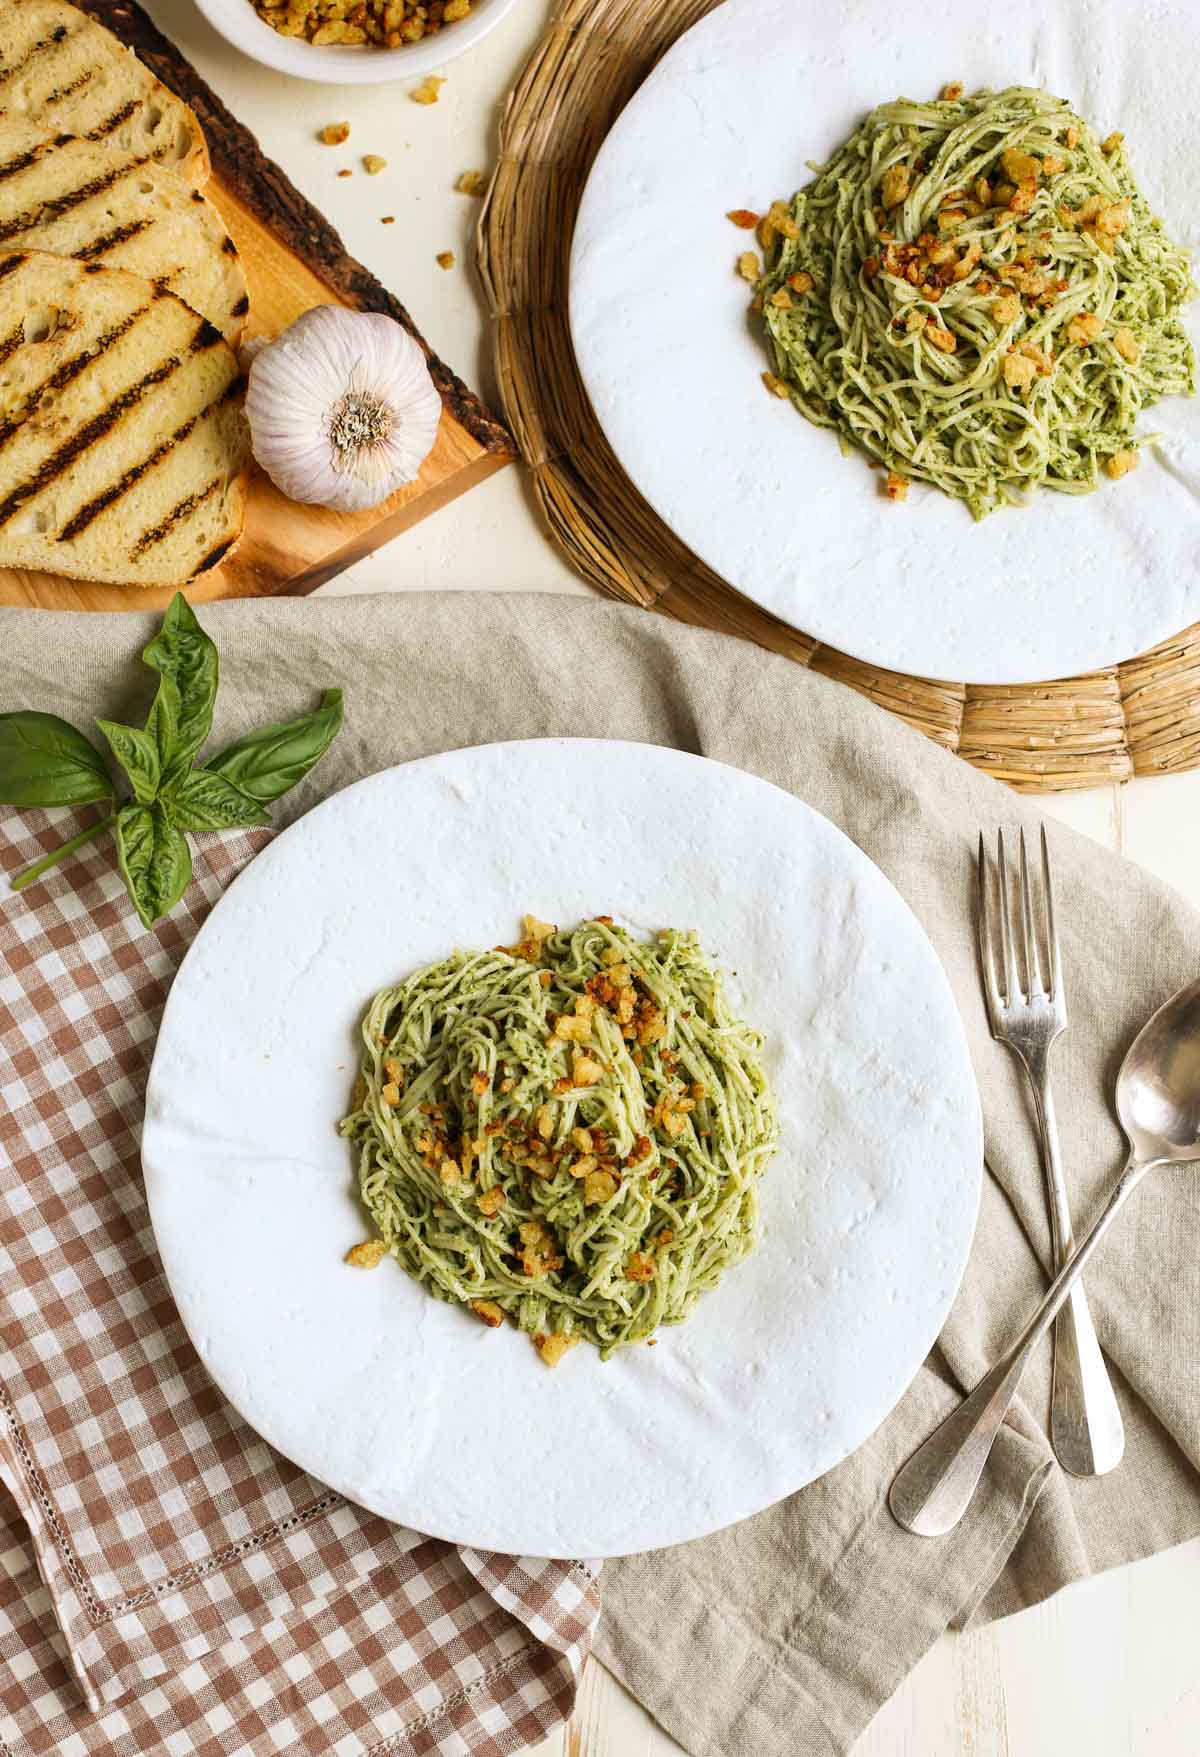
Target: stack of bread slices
[123,450]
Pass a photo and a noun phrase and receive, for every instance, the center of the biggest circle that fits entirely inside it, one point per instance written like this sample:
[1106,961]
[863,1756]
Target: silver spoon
[1158,1102]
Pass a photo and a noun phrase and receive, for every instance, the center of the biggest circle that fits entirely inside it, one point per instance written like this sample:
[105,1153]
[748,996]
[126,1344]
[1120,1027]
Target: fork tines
[1020,975]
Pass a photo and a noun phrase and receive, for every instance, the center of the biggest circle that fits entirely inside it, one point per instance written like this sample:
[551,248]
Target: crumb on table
[471,183]
[373,164]
[334,133]
[445,259]
[427,91]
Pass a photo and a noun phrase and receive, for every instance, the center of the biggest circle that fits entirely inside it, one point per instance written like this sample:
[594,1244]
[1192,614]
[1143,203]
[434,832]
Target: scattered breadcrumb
[334,133]
[471,183]
[896,487]
[345,173]
[445,259]
[427,91]
[744,218]
[1120,464]
[1085,328]
[1019,370]
[552,1348]
[370,1253]
[748,266]
[387,220]
[776,386]
[895,185]
[373,164]
[951,93]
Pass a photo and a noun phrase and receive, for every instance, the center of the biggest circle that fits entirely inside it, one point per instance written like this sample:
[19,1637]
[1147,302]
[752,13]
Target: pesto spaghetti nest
[567,1132]
[975,292]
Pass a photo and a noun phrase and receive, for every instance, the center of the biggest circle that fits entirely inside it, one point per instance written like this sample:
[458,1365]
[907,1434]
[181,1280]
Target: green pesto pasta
[975,292]
[567,1132]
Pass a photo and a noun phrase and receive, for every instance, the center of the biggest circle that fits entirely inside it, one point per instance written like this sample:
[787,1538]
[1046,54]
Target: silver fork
[1028,1013]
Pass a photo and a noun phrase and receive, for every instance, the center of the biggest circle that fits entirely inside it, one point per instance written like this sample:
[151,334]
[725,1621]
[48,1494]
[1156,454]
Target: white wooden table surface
[1108,1668]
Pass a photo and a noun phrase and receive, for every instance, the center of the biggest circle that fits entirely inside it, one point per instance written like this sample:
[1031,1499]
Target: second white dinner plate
[410,1406]
[672,361]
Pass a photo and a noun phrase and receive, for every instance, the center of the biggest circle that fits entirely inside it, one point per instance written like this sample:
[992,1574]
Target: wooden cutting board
[293,259]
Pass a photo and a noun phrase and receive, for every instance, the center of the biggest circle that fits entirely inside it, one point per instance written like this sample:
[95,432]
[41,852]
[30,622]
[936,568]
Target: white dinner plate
[673,363]
[409,1405]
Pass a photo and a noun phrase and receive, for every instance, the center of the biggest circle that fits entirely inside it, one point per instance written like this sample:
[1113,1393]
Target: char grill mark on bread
[180,510]
[63,70]
[78,444]
[20,163]
[137,475]
[55,208]
[111,204]
[63,374]
[109,240]
[109,496]
[111,123]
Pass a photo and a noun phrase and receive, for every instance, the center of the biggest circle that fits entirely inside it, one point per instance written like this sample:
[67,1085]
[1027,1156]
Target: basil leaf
[265,764]
[161,724]
[137,753]
[155,860]
[45,761]
[181,717]
[204,800]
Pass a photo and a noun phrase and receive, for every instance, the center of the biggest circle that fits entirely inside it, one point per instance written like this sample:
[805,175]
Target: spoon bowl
[1158,1087]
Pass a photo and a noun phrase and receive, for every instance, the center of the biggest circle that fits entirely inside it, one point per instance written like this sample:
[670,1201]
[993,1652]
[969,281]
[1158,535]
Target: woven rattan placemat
[1142,717]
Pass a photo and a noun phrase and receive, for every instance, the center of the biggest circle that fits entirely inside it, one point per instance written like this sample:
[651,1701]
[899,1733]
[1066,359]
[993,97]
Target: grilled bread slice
[60,68]
[102,204]
[123,450]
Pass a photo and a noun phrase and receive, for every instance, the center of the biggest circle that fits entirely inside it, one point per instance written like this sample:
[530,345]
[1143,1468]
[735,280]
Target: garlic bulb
[341,407]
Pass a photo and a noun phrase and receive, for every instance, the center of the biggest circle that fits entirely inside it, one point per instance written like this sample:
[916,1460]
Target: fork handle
[930,1494]
[1086,1429]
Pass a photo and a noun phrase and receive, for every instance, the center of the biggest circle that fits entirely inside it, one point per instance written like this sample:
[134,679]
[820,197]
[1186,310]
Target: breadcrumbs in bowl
[386,24]
[354,42]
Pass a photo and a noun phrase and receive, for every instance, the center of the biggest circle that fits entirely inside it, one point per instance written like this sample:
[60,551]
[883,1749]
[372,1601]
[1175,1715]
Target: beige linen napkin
[784,1634]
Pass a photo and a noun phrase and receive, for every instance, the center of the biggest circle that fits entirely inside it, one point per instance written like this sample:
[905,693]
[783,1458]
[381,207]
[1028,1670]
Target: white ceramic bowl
[239,24]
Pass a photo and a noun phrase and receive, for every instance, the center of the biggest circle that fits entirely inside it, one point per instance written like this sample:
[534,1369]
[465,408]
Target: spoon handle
[930,1494]
[1086,1429]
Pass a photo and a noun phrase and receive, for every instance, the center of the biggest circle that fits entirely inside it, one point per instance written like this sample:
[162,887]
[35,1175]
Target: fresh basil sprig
[45,761]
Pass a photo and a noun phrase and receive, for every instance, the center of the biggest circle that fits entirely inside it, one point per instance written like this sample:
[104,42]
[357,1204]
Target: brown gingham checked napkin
[197,1595]
[306,1630]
